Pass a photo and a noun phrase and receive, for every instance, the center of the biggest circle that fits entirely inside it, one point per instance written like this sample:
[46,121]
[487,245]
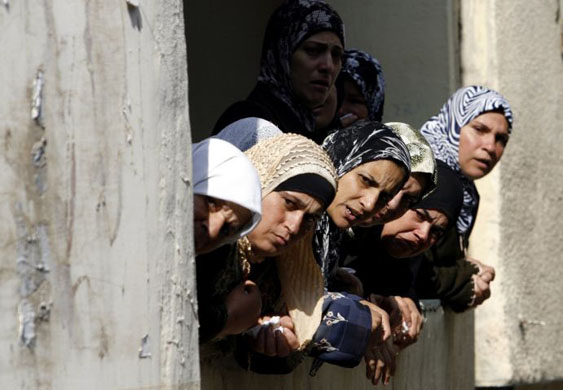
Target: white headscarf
[247,132]
[222,171]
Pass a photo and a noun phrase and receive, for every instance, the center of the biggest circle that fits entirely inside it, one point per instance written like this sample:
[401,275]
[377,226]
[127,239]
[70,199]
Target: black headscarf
[448,195]
[360,143]
[366,72]
[288,27]
[312,184]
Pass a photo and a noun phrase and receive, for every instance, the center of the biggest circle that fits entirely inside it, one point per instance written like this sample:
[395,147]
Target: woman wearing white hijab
[227,195]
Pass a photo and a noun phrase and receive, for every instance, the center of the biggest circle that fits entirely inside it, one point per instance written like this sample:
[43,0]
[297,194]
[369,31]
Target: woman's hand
[486,272]
[405,319]
[275,339]
[408,331]
[244,304]
[380,354]
[481,289]
[482,281]
[348,119]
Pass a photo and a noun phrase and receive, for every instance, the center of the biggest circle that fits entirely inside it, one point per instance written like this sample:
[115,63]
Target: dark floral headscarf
[367,73]
[360,143]
[288,27]
[442,132]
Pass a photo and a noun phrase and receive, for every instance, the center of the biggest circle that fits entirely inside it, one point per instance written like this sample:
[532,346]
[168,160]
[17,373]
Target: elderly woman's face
[413,233]
[216,221]
[286,217]
[314,66]
[353,101]
[363,191]
[481,144]
[401,202]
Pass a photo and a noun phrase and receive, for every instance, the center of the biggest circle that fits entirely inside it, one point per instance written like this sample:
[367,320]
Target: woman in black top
[301,58]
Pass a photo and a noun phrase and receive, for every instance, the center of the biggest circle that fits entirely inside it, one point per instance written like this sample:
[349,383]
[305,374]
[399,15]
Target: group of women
[317,227]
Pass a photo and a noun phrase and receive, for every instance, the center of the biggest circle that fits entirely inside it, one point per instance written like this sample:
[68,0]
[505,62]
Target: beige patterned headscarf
[422,157]
[277,159]
[287,155]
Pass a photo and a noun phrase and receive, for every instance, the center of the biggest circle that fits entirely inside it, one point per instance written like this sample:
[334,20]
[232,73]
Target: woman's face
[314,67]
[324,114]
[353,101]
[413,233]
[216,221]
[363,191]
[481,144]
[286,217]
[401,202]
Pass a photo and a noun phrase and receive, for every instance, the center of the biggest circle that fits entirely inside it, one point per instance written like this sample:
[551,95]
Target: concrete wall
[416,42]
[515,46]
[96,253]
[442,359]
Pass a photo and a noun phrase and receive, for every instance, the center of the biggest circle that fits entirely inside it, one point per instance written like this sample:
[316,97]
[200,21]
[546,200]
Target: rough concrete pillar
[515,46]
[96,253]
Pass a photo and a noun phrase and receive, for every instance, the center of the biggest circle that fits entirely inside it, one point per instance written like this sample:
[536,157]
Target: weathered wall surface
[442,359]
[96,253]
[515,46]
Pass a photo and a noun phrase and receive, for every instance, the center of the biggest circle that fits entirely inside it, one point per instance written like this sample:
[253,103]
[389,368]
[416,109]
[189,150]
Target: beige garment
[302,288]
[277,159]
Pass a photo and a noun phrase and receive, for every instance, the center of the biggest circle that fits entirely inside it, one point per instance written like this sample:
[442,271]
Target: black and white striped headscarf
[288,27]
[360,143]
[442,132]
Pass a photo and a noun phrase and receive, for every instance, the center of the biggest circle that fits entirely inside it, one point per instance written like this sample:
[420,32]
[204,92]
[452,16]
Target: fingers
[379,367]
[385,325]
[270,342]
[481,289]
[403,307]
[371,365]
[387,377]
[282,348]
[286,322]
[291,339]
[416,319]
[260,344]
[487,273]
[404,310]
[416,324]
[348,119]
[275,339]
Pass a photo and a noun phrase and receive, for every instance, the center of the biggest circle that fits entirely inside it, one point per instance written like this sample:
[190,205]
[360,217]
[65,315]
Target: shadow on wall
[224,41]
